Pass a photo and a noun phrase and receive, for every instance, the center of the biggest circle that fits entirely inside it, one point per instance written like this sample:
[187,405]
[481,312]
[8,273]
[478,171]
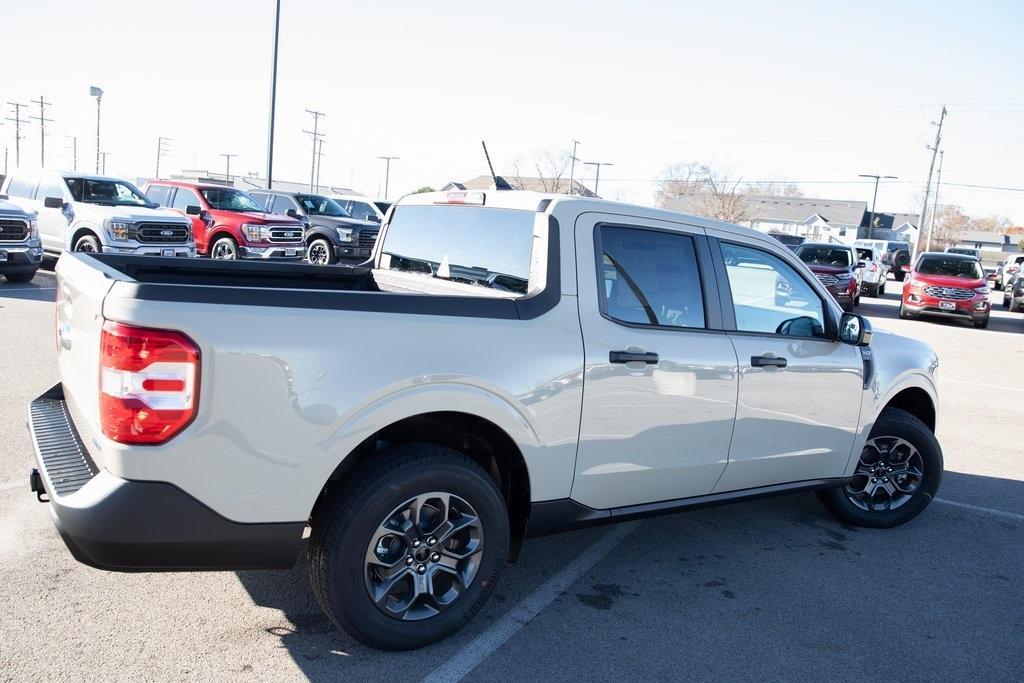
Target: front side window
[282,204]
[650,277]
[185,198]
[769,296]
[159,194]
[106,192]
[360,210]
[261,199]
[318,205]
[481,247]
[230,199]
[824,255]
[49,188]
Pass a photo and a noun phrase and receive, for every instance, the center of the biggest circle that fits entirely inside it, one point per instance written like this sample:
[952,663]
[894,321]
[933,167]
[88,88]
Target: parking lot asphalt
[768,589]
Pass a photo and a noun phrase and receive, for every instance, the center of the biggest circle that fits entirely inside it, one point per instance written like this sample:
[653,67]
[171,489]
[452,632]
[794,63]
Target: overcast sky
[812,92]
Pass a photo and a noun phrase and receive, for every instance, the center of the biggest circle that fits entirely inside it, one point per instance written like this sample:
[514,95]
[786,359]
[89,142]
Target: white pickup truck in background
[512,364]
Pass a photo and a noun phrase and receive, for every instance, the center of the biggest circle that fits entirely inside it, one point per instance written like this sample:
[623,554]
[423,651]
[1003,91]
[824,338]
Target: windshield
[824,255]
[318,205]
[106,192]
[951,267]
[962,250]
[865,254]
[489,248]
[230,199]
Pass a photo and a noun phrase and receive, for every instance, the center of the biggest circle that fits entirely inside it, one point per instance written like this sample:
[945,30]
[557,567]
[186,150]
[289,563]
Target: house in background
[531,184]
[818,220]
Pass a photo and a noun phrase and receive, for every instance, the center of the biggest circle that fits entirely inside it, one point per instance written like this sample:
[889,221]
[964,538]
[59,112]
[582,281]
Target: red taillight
[874,267]
[149,383]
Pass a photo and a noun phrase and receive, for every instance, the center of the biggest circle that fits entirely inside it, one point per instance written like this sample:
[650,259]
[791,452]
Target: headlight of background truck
[344,234]
[33,229]
[118,228]
[254,232]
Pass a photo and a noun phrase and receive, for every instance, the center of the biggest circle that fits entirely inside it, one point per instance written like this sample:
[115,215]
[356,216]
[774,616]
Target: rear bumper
[126,525]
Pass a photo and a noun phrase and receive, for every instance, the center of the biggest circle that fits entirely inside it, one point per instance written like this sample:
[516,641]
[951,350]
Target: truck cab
[230,224]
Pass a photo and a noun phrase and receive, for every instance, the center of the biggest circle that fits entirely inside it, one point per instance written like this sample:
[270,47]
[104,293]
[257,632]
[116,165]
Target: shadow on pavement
[40,288]
[736,581]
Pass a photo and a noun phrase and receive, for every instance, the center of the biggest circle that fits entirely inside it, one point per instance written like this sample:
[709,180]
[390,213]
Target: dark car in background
[836,266]
[332,234]
[947,285]
[791,241]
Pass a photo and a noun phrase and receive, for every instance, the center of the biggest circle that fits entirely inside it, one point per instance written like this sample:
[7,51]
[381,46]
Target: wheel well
[315,236]
[217,235]
[918,403]
[482,440]
[81,232]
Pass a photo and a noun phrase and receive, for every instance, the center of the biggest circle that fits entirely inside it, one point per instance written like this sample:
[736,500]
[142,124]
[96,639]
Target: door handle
[768,362]
[650,358]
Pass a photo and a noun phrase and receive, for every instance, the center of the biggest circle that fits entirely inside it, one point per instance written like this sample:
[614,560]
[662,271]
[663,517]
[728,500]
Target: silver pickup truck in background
[510,364]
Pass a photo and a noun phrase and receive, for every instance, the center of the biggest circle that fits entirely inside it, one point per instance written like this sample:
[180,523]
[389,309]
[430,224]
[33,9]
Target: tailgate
[82,285]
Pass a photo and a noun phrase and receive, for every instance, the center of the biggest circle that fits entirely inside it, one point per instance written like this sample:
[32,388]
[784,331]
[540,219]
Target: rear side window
[261,197]
[482,247]
[49,188]
[185,198]
[360,210]
[159,194]
[21,186]
[649,277]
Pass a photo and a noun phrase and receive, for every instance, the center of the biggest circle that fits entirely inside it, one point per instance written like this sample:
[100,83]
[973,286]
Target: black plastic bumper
[19,261]
[123,525]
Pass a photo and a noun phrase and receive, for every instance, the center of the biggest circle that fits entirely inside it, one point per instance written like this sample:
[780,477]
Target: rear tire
[899,275]
[347,541]
[896,432]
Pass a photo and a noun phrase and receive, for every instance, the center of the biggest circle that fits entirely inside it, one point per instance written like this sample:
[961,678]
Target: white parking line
[481,647]
[978,508]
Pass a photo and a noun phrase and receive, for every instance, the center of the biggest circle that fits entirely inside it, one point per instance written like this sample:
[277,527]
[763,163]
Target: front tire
[897,476]
[224,249]
[409,547]
[320,253]
[88,244]
[22,276]
[1014,306]
[981,324]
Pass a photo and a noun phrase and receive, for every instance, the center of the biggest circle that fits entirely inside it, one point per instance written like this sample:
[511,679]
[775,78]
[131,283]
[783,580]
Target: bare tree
[993,223]
[551,166]
[950,224]
[701,190]
[774,188]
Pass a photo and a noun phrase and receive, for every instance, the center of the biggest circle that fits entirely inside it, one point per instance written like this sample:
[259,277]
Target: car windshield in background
[865,254]
[228,199]
[476,246]
[962,250]
[106,192]
[318,205]
[950,267]
[823,255]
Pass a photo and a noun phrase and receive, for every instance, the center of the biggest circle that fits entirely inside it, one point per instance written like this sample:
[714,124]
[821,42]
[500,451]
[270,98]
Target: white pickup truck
[512,364]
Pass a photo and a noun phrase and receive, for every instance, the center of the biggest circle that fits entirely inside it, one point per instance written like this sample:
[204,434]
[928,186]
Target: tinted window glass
[769,296]
[476,246]
[318,205]
[159,194]
[230,199]
[260,197]
[185,198]
[950,266]
[106,192]
[865,254]
[360,210]
[650,277]
[21,186]
[824,255]
[49,188]
[282,204]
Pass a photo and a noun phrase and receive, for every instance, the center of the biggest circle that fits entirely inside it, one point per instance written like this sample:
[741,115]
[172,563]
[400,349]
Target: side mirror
[53,203]
[193,210]
[854,330]
[292,213]
[373,217]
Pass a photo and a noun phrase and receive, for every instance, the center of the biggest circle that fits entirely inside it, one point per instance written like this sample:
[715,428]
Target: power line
[387,172]
[74,151]
[931,167]
[597,170]
[42,128]
[316,138]
[227,169]
[17,130]
[160,149]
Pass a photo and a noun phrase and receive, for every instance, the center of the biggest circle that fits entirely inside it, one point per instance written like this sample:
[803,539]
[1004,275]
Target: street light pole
[273,99]
[874,198]
[227,170]
[572,167]
[935,205]
[98,94]
[597,171]
[387,172]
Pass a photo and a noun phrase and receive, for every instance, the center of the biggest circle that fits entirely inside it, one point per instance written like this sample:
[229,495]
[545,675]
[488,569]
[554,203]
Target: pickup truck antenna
[499,182]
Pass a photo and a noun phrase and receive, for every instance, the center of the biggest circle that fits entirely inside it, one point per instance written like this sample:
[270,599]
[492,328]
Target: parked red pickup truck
[229,224]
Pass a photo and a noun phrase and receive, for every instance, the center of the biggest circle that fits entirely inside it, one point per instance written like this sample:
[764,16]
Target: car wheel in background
[23,276]
[409,546]
[88,244]
[897,475]
[320,252]
[881,288]
[903,313]
[981,324]
[224,249]
[1013,306]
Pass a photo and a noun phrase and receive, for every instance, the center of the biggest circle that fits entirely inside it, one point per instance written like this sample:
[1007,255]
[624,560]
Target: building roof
[982,236]
[891,221]
[799,209]
[527,183]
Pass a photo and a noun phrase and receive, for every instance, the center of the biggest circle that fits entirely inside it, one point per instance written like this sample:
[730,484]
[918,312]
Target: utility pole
[160,149]
[97,92]
[103,168]
[935,150]
[572,166]
[42,128]
[227,169]
[597,171]
[74,151]
[17,119]
[871,219]
[935,204]
[316,137]
[319,157]
[387,172]
[273,99]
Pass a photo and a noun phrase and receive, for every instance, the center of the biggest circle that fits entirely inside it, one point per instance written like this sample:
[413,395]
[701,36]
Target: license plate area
[167,252]
[3,255]
[290,252]
[947,305]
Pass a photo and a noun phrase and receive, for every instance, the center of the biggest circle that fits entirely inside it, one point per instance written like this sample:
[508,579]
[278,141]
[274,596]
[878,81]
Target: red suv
[228,223]
[947,285]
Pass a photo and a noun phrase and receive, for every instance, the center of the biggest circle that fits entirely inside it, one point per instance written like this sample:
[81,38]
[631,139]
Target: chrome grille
[13,230]
[61,452]
[367,239]
[161,233]
[956,293]
[286,233]
[828,280]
